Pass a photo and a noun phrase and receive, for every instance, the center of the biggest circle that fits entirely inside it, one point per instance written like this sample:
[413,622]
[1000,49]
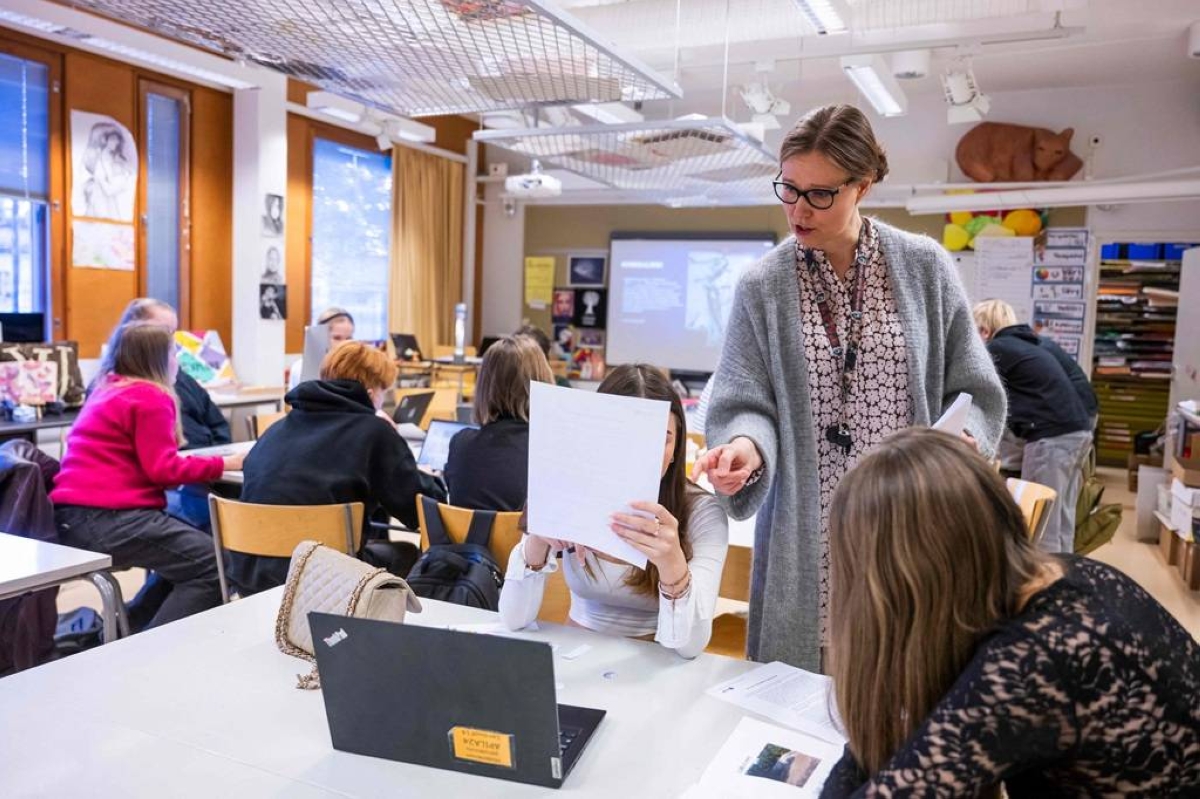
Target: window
[24,184]
[165,218]
[351,234]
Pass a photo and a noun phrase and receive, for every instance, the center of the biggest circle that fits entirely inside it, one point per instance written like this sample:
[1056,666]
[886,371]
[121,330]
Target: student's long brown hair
[141,351]
[502,388]
[650,382]
[928,551]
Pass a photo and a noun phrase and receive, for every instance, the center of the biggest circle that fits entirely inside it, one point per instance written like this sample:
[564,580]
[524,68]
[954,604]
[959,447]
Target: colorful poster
[104,168]
[564,305]
[102,245]
[29,382]
[1059,302]
[202,355]
[539,281]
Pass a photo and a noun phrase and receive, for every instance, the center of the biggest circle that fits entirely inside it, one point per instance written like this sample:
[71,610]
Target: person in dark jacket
[1045,409]
[488,468]
[336,446]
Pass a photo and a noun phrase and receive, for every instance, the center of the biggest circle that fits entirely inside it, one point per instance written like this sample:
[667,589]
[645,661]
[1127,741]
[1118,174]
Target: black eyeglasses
[821,199]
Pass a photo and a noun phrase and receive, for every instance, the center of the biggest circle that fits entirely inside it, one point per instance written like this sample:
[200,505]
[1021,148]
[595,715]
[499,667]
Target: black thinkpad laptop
[479,704]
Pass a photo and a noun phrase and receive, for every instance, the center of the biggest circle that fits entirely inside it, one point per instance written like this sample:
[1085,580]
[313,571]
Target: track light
[824,15]
[966,103]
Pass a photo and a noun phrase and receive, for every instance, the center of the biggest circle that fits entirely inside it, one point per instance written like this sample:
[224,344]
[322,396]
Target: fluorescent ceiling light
[822,15]
[609,113]
[875,82]
[336,106]
[410,130]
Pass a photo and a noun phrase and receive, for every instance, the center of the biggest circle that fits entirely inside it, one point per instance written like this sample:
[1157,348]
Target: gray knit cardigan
[761,391]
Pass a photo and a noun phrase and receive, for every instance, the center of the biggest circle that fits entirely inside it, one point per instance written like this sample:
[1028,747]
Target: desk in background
[29,430]
[207,706]
[238,403]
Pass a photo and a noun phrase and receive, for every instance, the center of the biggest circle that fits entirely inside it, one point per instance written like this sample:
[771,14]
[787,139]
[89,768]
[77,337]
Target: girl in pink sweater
[122,454]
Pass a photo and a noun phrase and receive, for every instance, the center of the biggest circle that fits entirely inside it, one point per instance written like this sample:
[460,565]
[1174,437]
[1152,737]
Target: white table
[29,565]
[236,448]
[248,397]
[207,707]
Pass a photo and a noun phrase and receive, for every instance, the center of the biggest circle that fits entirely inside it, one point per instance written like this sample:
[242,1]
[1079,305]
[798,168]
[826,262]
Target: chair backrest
[506,530]
[1035,501]
[257,424]
[275,530]
[735,577]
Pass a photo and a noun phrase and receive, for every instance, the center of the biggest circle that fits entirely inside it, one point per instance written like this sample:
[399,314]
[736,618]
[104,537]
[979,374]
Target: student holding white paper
[684,535]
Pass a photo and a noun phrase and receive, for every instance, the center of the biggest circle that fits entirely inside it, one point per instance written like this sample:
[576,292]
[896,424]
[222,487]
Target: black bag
[77,630]
[466,573]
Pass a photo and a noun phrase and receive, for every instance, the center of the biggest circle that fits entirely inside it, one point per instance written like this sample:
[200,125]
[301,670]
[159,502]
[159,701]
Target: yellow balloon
[955,237]
[1023,222]
[960,217]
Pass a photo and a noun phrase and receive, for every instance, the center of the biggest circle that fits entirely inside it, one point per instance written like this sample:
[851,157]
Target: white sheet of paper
[590,455]
[760,759]
[800,699]
[954,420]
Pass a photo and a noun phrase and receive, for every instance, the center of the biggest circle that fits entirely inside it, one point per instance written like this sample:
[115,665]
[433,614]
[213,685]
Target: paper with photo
[590,455]
[760,759]
[954,420]
[800,699]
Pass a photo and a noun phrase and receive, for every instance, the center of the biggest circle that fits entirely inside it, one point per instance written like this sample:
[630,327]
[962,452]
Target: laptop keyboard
[566,737]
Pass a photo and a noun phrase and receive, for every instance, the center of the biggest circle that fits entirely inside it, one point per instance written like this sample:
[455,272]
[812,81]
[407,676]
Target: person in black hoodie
[1047,409]
[336,446]
[488,468]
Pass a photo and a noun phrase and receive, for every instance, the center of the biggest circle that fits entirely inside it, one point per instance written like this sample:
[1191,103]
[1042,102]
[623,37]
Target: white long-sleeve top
[607,605]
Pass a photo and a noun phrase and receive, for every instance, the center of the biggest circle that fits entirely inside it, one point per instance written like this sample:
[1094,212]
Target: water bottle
[460,331]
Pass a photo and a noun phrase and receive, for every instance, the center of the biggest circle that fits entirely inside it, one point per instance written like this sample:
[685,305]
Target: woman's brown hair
[502,389]
[357,360]
[842,134]
[141,351]
[928,552]
[650,382]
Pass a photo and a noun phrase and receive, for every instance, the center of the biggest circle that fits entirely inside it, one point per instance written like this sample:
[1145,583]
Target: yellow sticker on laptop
[482,746]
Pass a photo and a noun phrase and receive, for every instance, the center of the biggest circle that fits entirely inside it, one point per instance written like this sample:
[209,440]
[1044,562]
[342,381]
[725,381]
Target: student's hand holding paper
[538,550]
[729,466]
[656,536]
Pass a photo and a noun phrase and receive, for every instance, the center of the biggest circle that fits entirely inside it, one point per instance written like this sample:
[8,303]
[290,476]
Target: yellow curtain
[427,230]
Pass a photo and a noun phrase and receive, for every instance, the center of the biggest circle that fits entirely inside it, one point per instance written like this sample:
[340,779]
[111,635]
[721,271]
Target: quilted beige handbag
[325,580]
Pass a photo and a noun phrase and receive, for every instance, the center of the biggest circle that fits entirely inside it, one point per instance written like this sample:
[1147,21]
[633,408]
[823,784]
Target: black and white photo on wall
[272,301]
[272,220]
[272,266]
[590,308]
[586,270]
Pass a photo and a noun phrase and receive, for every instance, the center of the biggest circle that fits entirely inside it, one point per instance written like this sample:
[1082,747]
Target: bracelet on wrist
[676,590]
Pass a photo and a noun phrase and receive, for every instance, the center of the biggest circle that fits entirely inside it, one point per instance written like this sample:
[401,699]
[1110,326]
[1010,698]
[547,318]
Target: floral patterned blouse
[878,400]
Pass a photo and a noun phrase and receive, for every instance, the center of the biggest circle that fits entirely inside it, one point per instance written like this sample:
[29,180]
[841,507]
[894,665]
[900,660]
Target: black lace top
[1092,690]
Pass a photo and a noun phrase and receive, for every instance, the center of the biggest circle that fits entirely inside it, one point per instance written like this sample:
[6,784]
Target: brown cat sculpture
[994,152]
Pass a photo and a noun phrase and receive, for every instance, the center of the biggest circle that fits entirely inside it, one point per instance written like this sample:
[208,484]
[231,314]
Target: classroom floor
[1140,560]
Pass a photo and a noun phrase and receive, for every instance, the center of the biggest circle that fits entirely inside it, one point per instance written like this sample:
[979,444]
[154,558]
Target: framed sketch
[272,220]
[587,270]
[272,301]
[104,168]
[272,267]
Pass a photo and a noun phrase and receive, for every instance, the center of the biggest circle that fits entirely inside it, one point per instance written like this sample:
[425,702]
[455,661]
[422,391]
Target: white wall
[1143,127]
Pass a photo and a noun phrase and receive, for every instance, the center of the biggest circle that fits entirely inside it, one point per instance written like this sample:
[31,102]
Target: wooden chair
[257,424]
[506,531]
[729,629]
[275,530]
[1036,502]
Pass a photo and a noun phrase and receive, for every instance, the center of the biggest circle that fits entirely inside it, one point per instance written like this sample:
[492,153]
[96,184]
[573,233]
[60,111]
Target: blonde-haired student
[122,453]
[964,658]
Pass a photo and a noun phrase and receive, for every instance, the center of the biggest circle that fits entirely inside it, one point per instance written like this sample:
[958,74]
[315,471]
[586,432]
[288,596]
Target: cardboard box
[1170,544]
[1186,472]
[1185,510]
[1189,565]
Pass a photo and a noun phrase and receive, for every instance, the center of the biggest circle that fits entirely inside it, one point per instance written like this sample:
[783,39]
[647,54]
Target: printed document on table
[800,699]
[761,759]
[954,420]
[590,455]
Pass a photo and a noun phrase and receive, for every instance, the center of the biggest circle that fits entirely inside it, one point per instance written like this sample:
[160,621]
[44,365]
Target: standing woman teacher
[847,331]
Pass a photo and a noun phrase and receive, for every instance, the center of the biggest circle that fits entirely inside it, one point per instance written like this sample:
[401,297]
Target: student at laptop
[122,453]
[543,341]
[673,599]
[341,329]
[487,469]
[332,447]
[964,658]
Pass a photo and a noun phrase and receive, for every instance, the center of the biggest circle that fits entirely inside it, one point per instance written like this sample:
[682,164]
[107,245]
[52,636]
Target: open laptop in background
[407,348]
[436,448]
[486,344]
[412,407]
[316,344]
[388,694]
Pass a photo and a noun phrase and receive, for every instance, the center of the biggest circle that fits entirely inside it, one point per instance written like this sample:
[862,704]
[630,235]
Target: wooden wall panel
[297,225]
[212,213]
[96,297]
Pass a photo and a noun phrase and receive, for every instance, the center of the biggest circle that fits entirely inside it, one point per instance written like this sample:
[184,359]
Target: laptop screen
[436,448]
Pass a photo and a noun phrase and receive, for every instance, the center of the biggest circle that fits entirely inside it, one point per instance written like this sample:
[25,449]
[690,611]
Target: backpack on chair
[1095,524]
[466,573]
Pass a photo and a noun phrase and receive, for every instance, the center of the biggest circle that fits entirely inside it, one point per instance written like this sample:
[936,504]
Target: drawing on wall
[102,245]
[711,283]
[272,301]
[272,220]
[272,267]
[104,167]
[586,270]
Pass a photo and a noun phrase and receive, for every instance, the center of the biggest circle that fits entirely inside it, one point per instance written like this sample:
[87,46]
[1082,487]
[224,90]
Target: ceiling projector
[533,185]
